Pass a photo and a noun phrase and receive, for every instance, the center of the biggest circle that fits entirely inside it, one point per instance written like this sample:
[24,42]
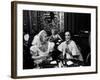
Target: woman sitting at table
[71,53]
[41,48]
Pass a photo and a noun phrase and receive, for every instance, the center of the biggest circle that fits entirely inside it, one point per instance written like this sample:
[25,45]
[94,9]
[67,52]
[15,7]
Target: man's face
[67,36]
[53,32]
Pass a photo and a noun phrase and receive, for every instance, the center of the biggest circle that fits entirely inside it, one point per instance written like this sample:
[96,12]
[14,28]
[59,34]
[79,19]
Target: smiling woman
[70,51]
[41,48]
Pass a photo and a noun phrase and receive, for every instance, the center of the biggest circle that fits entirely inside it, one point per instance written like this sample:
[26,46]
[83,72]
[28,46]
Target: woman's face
[67,36]
[44,37]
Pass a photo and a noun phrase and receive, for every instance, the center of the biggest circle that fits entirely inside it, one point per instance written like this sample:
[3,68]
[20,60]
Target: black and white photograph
[53,39]
[56,39]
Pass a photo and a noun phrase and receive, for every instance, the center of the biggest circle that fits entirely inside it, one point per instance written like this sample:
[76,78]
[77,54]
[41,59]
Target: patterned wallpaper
[34,21]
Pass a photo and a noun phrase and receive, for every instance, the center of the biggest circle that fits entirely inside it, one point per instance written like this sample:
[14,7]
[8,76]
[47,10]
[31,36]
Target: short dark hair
[69,32]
